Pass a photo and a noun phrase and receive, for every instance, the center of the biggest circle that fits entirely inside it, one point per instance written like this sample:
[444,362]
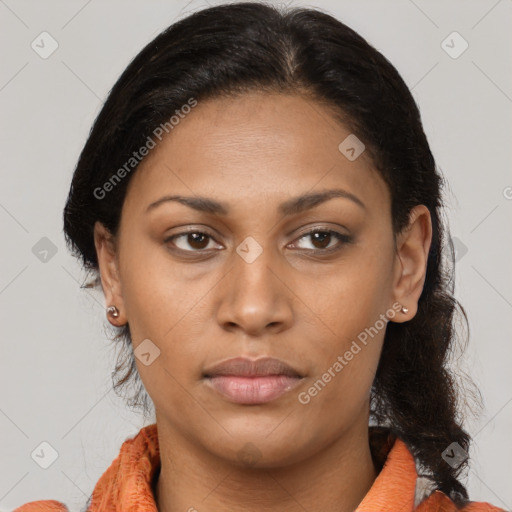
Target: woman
[259,201]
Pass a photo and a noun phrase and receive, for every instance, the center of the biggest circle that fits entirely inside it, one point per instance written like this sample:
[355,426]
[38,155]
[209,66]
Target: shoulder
[440,502]
[42,506]
[481,506]
[140,449]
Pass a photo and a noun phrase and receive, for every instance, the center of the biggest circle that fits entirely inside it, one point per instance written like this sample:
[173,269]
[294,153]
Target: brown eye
[322,240]
[197,240]
[190,241]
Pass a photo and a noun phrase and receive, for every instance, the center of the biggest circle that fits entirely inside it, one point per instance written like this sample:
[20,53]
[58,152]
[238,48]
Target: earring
[404,310]
[112,310]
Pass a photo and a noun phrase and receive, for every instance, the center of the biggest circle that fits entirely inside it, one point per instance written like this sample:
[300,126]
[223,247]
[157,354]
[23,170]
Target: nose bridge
[256,296]
[254,267]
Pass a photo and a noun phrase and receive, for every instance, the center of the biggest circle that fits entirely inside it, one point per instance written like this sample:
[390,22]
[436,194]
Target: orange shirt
[127,485]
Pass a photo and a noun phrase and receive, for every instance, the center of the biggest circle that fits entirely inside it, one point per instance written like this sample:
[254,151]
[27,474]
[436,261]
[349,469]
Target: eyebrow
[290,207]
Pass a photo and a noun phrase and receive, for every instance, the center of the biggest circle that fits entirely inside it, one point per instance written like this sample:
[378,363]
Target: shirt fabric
[128,484]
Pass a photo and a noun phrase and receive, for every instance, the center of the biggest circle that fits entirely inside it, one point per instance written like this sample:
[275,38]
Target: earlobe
[412,248]
[109,274]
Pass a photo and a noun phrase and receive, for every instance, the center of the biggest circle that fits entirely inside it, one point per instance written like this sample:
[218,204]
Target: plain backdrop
[56,362]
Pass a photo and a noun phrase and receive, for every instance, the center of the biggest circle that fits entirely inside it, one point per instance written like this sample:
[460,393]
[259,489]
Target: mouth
[245,381]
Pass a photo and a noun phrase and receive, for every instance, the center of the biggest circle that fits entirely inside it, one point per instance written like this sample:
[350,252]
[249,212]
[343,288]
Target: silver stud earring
[112,310]
[404,310]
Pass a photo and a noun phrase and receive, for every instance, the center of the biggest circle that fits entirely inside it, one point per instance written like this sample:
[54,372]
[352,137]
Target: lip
[246,367]
[252,381]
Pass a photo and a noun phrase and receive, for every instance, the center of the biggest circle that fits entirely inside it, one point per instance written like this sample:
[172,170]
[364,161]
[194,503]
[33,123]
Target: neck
[335,479]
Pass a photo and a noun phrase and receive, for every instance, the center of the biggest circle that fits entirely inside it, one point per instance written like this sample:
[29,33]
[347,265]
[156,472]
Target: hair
[232,49]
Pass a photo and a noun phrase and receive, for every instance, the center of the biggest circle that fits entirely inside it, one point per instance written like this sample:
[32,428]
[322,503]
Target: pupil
[322,236]
[194,237]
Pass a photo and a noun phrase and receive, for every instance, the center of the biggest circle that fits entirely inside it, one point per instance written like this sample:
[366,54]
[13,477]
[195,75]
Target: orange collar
[127,485]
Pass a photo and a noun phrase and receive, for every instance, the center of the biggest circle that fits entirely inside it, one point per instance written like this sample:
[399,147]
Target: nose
[255,297]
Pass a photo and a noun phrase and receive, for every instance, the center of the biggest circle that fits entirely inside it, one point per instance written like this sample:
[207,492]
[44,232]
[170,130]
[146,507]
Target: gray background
[55,358]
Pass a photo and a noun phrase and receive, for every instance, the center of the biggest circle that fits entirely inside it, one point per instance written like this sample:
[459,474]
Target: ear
[109,272]
[412,247]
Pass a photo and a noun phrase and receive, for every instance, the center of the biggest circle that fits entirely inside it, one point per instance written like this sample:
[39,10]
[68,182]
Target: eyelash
[342,239]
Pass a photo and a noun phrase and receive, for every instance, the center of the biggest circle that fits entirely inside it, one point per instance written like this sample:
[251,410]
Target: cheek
[351,306]
[150,288]
[350,299]
[161,304]
[342,386]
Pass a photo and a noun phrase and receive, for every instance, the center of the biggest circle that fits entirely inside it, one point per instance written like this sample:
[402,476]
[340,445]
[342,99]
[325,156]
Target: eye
[197,240]
[322,240]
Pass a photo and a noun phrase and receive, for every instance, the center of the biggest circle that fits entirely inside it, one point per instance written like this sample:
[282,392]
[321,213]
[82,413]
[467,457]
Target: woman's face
[249,281]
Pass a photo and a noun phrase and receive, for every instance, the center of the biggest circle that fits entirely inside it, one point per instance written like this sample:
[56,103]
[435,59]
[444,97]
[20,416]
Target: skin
[254,152]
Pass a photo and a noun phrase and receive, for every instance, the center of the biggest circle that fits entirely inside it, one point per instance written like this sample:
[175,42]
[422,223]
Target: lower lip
[253,390]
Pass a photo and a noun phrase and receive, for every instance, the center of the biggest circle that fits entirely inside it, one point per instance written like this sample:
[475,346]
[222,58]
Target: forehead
[276,144]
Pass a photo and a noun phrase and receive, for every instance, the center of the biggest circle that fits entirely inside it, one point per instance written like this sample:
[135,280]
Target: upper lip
[246,367]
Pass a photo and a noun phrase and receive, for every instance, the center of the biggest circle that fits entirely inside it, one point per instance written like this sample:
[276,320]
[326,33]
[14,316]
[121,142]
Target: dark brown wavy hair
[235,48]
